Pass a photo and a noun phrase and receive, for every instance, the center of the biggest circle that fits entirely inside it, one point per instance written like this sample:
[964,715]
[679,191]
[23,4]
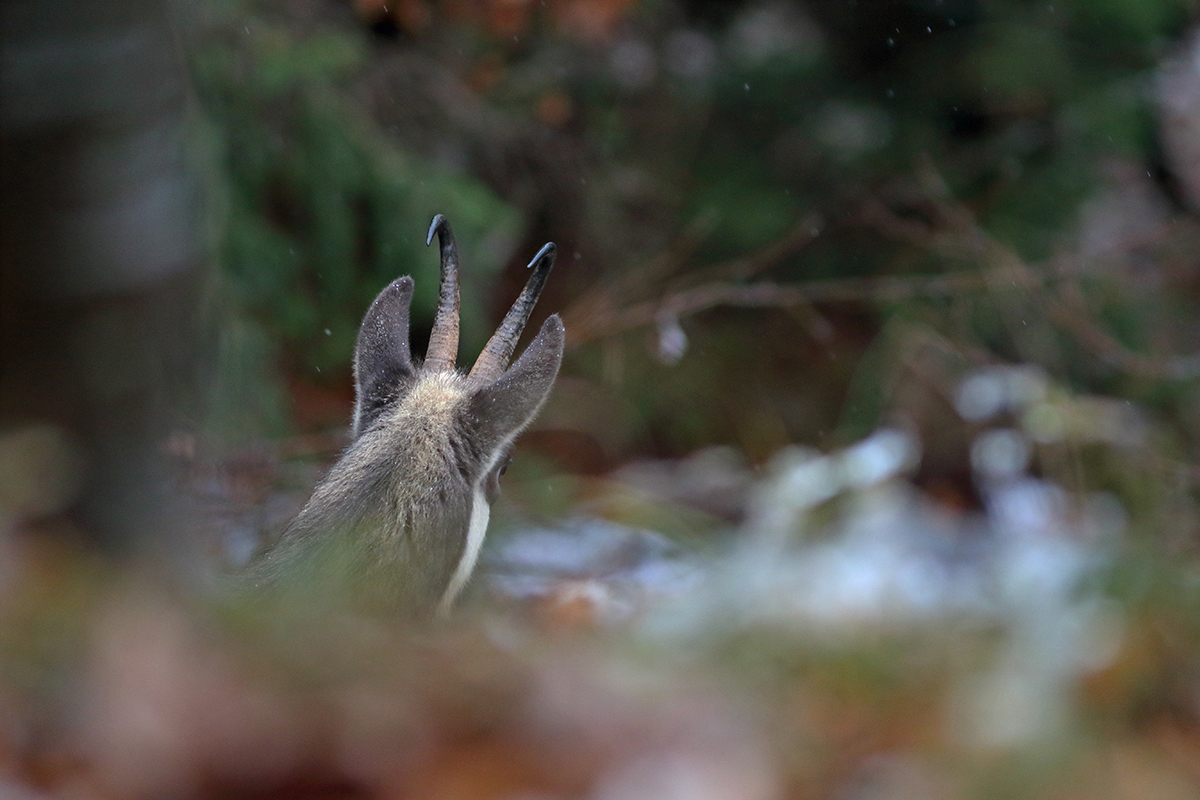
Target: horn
[495,356]
[443,339]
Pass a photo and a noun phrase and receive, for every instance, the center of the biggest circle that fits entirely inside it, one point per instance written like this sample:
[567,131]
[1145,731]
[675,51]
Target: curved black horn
[495,356]
[443,339]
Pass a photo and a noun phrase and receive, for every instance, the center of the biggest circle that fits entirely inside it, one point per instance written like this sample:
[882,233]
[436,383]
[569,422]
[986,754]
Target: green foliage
[981,128]
[1021,61]
[319,209]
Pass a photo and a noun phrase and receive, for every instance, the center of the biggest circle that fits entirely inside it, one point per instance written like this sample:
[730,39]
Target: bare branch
[938,224]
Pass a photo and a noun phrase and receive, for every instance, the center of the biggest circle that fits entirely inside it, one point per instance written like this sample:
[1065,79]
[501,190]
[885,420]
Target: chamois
[399,519]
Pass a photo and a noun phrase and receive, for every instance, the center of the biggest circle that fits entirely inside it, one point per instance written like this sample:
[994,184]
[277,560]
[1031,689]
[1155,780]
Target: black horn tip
[438,222]
[549,251]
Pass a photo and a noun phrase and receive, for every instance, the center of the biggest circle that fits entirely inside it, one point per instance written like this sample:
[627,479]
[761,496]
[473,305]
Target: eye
[493,479]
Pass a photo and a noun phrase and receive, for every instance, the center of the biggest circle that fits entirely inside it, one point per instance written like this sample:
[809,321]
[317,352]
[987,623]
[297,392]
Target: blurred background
[871,471]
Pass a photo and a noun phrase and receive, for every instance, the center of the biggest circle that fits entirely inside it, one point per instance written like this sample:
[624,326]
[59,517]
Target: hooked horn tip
[549,251]
[438,222]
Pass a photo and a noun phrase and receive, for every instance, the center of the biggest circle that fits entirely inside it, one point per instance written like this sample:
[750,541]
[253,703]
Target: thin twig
[775,295]
[948,229]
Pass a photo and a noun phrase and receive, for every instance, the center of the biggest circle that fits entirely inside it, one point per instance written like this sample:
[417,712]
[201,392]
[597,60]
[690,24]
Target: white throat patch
[480,513]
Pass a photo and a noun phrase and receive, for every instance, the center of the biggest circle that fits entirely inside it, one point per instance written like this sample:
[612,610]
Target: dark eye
[493,479]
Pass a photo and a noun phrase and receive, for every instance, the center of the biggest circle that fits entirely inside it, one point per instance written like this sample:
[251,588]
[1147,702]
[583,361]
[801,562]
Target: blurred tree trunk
[99,266]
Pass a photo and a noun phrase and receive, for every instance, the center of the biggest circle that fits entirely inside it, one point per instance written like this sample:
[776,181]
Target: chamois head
[400,518]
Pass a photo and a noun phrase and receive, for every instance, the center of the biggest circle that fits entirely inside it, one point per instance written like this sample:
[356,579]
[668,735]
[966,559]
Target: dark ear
[502,408]
[382,360]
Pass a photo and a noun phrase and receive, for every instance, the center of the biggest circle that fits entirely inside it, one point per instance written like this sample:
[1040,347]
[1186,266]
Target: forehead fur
[413,445]
[434,397]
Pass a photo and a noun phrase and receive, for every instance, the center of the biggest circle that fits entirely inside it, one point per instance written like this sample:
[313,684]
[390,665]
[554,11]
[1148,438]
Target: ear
[382,360]
[502,408]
